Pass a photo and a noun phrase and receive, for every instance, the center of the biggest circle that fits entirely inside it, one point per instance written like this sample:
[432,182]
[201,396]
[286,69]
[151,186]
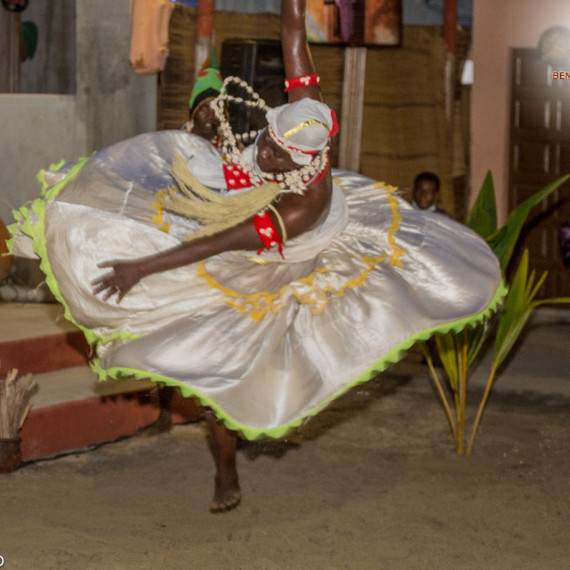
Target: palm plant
[458,350]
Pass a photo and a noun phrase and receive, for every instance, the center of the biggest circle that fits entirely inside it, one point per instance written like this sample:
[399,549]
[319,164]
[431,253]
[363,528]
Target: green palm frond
[447,352]
[483,215]
[503,241]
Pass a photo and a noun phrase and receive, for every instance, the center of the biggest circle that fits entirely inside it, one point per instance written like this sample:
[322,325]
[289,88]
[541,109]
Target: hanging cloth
[149,35]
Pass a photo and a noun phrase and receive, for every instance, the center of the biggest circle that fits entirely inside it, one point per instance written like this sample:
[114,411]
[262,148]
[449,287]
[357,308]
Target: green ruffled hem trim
[55,190]
[251,433]
[36,230]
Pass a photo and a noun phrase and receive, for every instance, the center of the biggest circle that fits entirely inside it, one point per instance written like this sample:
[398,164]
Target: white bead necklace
[291,181]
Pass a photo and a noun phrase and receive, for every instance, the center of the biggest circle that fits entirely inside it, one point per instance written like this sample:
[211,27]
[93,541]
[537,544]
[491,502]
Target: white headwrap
[302,128]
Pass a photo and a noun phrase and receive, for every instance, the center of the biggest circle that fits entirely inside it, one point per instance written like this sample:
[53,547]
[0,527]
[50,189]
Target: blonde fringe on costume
[215,211]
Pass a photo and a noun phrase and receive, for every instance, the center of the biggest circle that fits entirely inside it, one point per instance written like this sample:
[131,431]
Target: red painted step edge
[45,353]
[70,426]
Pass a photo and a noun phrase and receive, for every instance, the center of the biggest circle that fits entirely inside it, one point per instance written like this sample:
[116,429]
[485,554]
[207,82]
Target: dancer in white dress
[264,318]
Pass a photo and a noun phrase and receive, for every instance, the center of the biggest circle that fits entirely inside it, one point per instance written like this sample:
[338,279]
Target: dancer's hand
[125,275]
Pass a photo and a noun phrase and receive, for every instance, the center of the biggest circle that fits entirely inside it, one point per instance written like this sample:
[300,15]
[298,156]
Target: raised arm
[296,52]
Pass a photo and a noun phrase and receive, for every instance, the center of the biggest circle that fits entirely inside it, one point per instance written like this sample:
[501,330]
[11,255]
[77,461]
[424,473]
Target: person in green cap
[202,120]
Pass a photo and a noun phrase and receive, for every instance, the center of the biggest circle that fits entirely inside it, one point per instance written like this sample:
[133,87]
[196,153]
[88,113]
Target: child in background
[426,193]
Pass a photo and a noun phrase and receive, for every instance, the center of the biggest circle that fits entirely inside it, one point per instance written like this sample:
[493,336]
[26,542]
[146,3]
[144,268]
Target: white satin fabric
[263,344]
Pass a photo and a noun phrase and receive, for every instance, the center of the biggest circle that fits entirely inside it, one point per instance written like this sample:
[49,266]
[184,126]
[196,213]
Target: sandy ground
[373,482]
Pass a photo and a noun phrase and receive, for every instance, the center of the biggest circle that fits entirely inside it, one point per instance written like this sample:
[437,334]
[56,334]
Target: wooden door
[540,153]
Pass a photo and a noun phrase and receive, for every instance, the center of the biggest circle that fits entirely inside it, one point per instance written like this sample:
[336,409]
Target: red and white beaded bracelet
[266,229]
[302,81]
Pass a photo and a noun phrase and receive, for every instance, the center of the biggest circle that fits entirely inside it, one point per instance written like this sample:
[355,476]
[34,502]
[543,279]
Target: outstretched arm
[299,213]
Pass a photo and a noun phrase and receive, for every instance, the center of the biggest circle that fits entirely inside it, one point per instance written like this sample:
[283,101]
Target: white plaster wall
[37,131]
[498,27]
[112,99]
[112,103]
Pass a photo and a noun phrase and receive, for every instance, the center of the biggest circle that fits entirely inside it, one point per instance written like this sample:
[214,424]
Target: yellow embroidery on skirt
[158,218]
[305,290]
[397,251]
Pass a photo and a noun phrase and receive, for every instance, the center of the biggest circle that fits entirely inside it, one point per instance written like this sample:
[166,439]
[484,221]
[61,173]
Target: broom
[15,395]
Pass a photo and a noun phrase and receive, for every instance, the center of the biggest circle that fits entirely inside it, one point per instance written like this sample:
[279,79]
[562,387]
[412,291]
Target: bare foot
[227,495]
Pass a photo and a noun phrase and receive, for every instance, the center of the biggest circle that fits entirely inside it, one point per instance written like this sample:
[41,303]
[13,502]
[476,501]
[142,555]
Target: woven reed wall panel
[329,61]
[398,77]
[404,130]
[177,78]
[388,130]
[252,26]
